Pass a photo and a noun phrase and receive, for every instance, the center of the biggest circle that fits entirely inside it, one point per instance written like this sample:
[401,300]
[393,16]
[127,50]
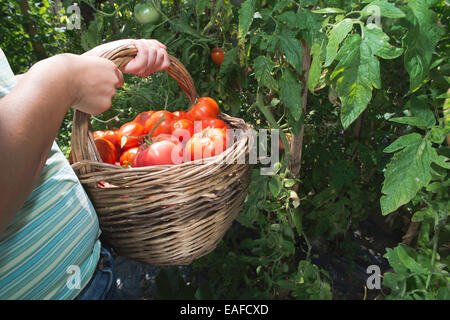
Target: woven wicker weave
[163,215]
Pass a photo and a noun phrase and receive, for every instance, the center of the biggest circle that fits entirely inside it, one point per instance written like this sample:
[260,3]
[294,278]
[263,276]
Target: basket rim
[157,169]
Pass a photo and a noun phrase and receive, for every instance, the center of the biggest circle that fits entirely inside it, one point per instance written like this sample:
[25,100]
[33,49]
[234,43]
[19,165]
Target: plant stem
[266,112]
[433,258]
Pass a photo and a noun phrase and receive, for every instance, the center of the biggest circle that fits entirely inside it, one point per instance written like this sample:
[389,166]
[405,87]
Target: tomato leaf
[291,93]
[316,67]
[420,41]
[378,42]
[402,258]
[263,72]
[408,171]
[412,121]
[246,16]
[337,35]
[292,49]
[275,185]
[356,74]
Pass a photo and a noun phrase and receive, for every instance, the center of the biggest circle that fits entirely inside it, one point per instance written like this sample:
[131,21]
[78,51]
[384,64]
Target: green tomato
[146,13]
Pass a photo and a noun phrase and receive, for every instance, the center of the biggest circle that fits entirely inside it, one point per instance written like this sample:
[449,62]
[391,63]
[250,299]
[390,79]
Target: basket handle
[82,141]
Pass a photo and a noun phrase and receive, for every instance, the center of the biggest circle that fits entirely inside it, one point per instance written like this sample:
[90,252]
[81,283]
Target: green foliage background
[370,108]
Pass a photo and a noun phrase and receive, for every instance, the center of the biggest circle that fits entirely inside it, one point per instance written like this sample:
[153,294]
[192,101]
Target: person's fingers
[159,44]
[135,65]
[120,79]
[152,58]
[160,60]
[166,61]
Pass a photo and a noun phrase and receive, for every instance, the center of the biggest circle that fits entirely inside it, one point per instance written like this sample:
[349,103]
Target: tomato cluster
[166,138]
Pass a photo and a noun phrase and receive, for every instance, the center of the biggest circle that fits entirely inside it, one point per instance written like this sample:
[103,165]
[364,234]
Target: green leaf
[263,72]
[420,41]
[412,121]
[315,70]
[418,105]
[337,35]
[438,134]
[382,8]
[311,25]
[228,60]
[246,16]
[403,141]
[275,185]
[290,19]
[292,49]
[407,172]
[291,93]
[401,256]
[200,6]
[296,217]
[356,74]
[378,42]
[280,5]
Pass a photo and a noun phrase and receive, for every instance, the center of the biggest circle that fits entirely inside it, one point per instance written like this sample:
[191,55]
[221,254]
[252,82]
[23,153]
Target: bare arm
[32,113]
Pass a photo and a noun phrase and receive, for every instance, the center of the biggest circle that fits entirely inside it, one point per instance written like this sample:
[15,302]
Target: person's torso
[51,247]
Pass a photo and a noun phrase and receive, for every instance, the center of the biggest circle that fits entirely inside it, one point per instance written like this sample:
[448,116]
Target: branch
[297,141]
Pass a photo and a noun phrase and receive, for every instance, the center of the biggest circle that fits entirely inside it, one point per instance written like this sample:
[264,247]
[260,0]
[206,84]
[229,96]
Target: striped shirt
[51,248]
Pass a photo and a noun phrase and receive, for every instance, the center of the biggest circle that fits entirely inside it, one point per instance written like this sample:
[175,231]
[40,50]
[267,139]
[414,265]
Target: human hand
[151,57]
[94,83]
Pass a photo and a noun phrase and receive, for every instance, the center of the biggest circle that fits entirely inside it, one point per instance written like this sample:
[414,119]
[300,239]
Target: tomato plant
[358,87]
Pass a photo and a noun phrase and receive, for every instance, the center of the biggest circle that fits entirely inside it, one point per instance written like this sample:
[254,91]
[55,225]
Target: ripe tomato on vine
[217,55]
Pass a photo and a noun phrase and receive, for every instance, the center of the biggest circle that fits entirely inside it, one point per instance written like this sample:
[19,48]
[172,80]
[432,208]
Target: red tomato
[127,157]
[183,129]
[98,134]
[163,127]
[164,150]
[106,149]
[143,116]
[213,123]
[131,130]
[217,55]
[207,143]
[112,136]
[204,108]
[180,114]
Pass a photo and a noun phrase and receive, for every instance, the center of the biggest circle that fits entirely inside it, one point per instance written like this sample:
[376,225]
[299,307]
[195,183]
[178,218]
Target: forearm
[31,115]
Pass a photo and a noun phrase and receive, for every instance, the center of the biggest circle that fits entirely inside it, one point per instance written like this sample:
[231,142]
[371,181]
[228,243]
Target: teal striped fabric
[51,248]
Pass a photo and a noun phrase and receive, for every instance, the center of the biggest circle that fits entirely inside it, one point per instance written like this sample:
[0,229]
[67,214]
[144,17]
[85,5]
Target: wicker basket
[163,215]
